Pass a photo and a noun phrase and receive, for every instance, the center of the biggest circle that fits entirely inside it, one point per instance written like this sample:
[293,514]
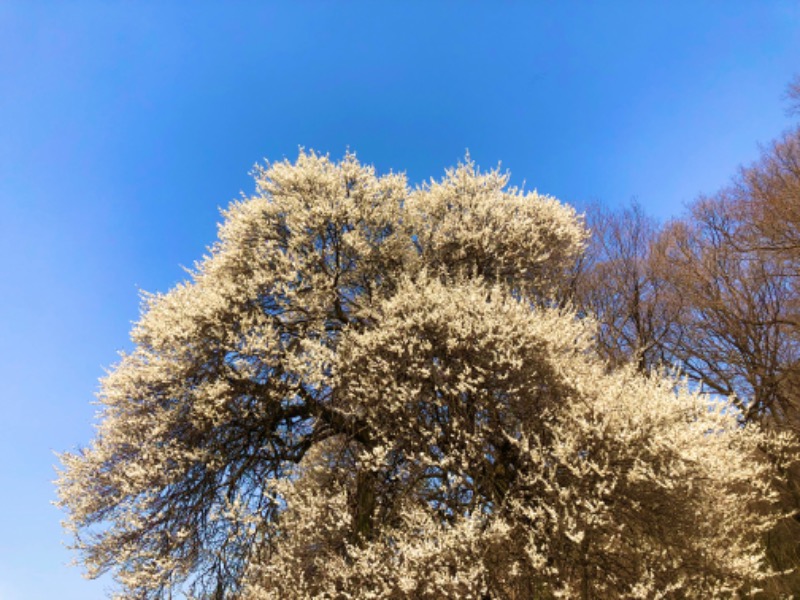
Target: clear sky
[125,126]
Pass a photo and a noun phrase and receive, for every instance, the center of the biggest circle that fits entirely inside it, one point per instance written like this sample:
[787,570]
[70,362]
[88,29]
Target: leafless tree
[617,283]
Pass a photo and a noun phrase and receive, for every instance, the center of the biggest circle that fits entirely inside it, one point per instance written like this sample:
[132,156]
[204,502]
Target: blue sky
[125,126]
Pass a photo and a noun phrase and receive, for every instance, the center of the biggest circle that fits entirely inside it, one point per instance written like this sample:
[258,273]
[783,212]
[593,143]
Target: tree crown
[369,388]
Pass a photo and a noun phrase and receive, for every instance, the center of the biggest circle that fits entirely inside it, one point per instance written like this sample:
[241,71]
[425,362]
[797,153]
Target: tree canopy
[377,392]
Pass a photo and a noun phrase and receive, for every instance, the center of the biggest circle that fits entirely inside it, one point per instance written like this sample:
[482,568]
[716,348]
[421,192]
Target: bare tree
[733,269]
[716,293]
[767,194]
[734,332]
[618,285]
[793,95]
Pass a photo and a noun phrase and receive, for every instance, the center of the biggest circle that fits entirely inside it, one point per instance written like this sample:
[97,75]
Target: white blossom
[366,391]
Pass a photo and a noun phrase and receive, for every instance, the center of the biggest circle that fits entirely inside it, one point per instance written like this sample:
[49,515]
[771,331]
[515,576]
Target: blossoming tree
[367,391]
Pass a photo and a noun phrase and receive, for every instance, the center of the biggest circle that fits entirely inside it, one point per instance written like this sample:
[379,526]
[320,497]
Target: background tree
[766,196]
[793,95]
[734,267]
[733,333]
[368,391]
[722,283]
[617,282]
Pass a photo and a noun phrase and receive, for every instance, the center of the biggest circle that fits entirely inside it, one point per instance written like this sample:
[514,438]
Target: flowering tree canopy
[367,391]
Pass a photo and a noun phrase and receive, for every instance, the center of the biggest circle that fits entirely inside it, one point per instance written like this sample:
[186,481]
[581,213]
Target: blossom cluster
[367,391]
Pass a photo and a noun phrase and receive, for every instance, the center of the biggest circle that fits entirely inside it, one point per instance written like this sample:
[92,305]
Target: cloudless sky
[125,126]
